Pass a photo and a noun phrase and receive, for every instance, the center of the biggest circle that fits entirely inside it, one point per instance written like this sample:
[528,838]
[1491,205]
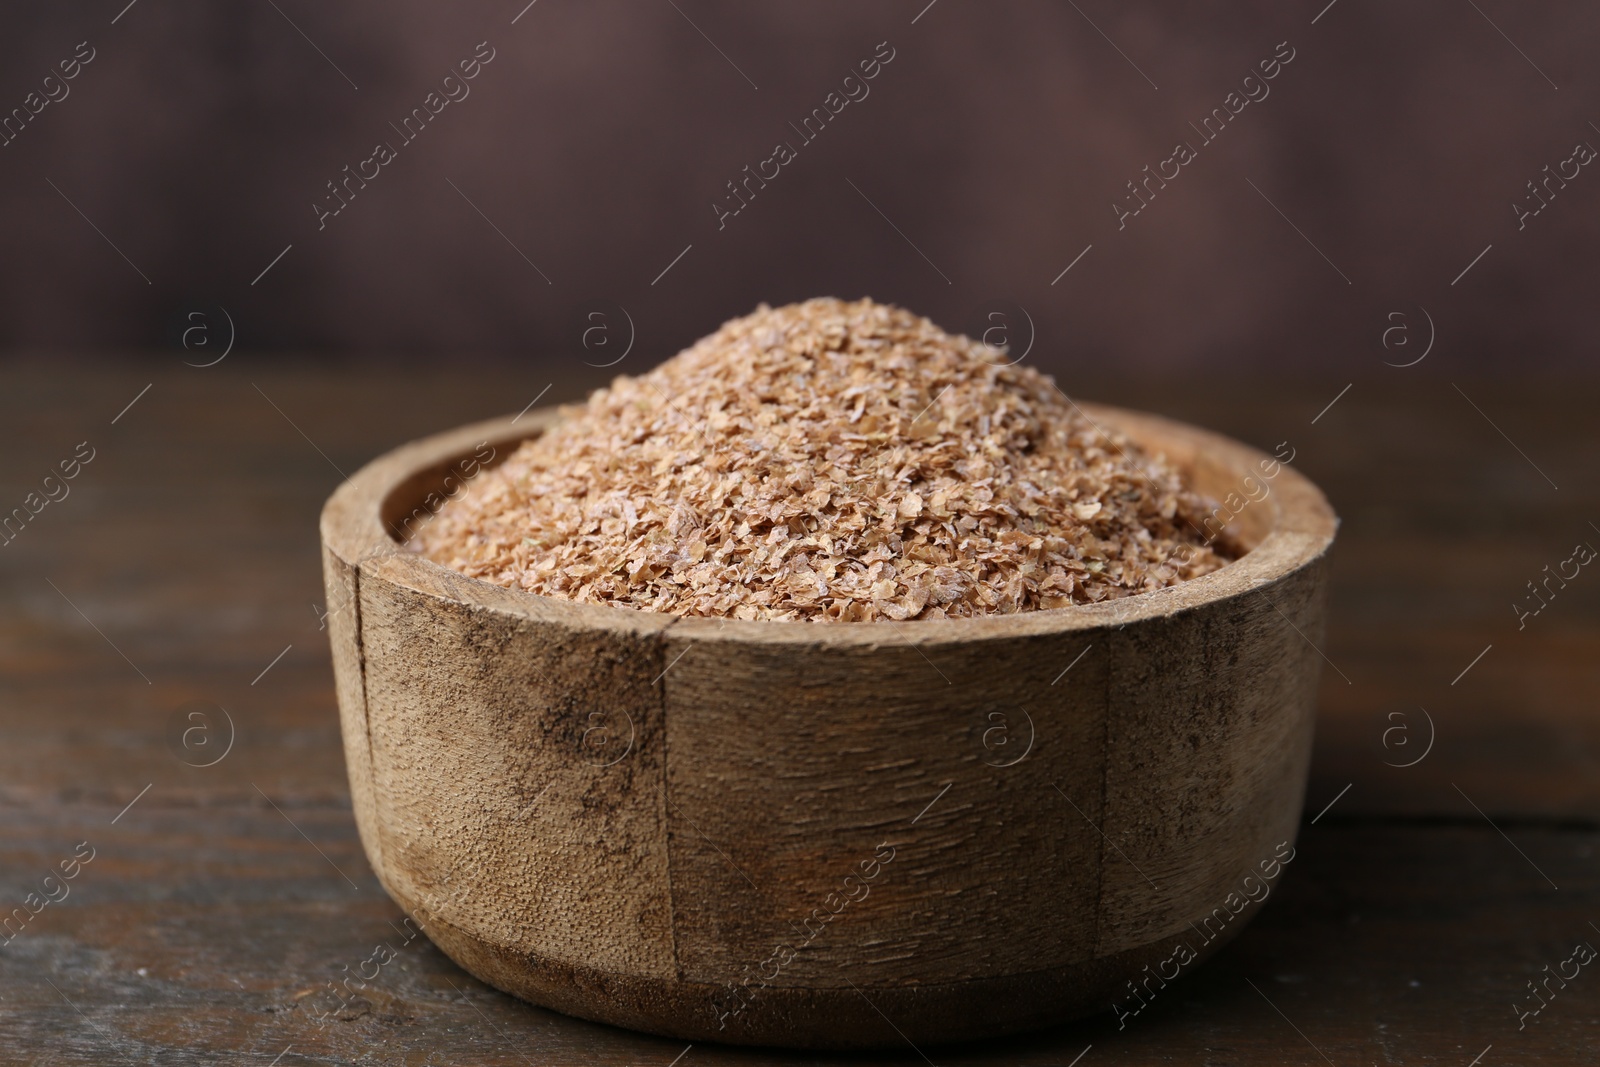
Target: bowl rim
[1301,528]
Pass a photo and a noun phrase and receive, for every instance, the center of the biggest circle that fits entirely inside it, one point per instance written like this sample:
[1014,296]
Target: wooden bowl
[832,835]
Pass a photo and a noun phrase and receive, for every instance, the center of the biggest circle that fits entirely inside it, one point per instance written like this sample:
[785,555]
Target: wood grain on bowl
[818,834]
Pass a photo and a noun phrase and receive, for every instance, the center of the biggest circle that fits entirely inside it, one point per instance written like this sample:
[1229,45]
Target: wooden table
[182,566]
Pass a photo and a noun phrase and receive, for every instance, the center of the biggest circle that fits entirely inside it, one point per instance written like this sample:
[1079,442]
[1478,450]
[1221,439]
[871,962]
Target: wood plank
[213,934]
[190,542]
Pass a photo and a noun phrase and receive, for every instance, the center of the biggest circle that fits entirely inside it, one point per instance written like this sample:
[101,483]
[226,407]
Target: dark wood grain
[1403,932]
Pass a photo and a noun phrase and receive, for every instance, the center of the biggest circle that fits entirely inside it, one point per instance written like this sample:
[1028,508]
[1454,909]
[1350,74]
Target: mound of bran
[828,461]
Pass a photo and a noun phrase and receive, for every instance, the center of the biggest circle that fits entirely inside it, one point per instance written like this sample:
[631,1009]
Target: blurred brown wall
[995,141]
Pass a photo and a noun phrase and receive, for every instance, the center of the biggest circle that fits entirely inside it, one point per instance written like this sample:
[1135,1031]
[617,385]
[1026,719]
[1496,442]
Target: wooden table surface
[220,901]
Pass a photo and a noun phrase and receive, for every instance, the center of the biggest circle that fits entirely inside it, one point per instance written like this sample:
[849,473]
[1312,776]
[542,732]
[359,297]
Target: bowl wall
[828,835]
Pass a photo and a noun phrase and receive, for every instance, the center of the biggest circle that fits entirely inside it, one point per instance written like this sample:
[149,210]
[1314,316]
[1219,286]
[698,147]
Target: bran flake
[828,461]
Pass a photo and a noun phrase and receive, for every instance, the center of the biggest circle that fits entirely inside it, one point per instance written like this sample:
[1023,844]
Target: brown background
[186,558]
[996,140]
